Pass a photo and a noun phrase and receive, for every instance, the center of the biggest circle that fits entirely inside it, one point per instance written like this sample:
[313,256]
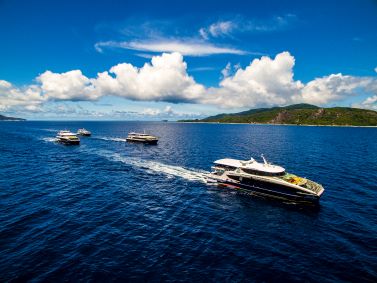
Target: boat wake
[49,139]
[111,139]
[156,167]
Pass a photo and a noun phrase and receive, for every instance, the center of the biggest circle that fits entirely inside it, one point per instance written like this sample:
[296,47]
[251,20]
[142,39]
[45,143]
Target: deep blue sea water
[111,211]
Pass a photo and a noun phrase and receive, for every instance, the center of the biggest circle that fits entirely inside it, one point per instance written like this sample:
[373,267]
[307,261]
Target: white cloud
[167,111]
[187,48]
[229,70]
[165,79]
[150,112]
[335,87]
[242,25]
[368,103]
[370,100]
[267,82]
[264,82]
[201,69]
[269,25]
[157,114]
[375,69]
[12,97]
[203,33]
[5,84]
[218,29]
[72,85]
[226,71]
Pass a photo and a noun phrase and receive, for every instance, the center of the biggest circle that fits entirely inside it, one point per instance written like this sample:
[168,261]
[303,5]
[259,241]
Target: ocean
[111,211]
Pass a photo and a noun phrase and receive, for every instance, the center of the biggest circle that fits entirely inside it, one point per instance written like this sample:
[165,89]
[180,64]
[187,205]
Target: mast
[264,159]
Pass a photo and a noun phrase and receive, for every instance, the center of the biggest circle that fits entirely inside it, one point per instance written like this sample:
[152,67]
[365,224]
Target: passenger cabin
[249,167]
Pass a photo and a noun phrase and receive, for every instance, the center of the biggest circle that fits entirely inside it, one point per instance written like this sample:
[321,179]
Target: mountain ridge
[299,114]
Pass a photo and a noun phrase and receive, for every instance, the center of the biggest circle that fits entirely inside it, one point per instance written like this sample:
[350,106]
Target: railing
[313,186]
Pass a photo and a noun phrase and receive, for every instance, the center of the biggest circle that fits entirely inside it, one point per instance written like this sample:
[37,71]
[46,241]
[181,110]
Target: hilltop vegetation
[299,114]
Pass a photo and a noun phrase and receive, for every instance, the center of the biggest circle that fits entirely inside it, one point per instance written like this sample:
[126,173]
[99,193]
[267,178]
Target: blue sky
[300,49]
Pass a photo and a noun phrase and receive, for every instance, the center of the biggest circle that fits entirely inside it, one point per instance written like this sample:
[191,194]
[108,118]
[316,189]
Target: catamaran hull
[142,141]
[270,190]
[66,142]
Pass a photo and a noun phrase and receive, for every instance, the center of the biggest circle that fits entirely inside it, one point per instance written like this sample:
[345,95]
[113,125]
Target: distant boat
[142,138]
[84,132]
[67,137]
[264,179]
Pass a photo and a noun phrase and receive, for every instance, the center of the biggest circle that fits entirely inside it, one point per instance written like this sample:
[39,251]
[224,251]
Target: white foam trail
[111,139]
[153,166]
[49,139]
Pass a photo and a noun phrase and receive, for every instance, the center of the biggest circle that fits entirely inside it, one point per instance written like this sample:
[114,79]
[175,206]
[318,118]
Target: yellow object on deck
[293,179]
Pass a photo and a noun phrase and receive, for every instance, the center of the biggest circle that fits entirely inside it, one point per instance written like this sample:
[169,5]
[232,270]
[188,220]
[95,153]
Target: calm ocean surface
[111,211]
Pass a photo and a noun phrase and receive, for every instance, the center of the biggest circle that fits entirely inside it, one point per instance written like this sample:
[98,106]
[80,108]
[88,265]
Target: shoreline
[267,124]
[181,122]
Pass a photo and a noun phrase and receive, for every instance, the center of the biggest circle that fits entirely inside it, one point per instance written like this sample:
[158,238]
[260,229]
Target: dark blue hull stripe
[270,191]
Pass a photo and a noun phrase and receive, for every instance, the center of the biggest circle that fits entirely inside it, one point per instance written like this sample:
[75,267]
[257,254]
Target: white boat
[84,132]
[142,138]
[67,137]
[264,179]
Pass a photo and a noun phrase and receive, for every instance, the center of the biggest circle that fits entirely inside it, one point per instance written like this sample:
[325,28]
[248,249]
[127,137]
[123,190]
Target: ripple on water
[108,210]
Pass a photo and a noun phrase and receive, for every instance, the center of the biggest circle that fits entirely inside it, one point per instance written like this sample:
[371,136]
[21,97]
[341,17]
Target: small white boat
[142,138]
[84,132]
[67,137]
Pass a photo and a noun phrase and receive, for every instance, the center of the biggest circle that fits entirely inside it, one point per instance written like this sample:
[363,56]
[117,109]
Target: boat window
[261,173]
[225,167]
[234,177]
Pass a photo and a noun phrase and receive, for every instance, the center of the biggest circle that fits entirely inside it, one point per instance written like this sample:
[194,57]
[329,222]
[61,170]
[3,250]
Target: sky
[153,60]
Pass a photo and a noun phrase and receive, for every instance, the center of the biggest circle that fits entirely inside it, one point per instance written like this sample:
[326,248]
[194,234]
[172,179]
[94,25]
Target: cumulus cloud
[264,82]
[12,97]
[187,48]
[72,85]
[368,103]
[268,81]
[336,87]
[165,79]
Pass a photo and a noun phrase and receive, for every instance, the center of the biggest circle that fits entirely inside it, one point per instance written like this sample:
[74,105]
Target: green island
[298,114]
[5,118]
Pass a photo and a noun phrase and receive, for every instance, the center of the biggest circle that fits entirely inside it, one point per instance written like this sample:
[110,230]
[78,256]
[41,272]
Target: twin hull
[146,141]
[69,142]
[263,188]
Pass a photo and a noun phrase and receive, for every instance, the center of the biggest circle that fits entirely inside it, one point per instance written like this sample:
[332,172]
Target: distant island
[298,114]
[5,118]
